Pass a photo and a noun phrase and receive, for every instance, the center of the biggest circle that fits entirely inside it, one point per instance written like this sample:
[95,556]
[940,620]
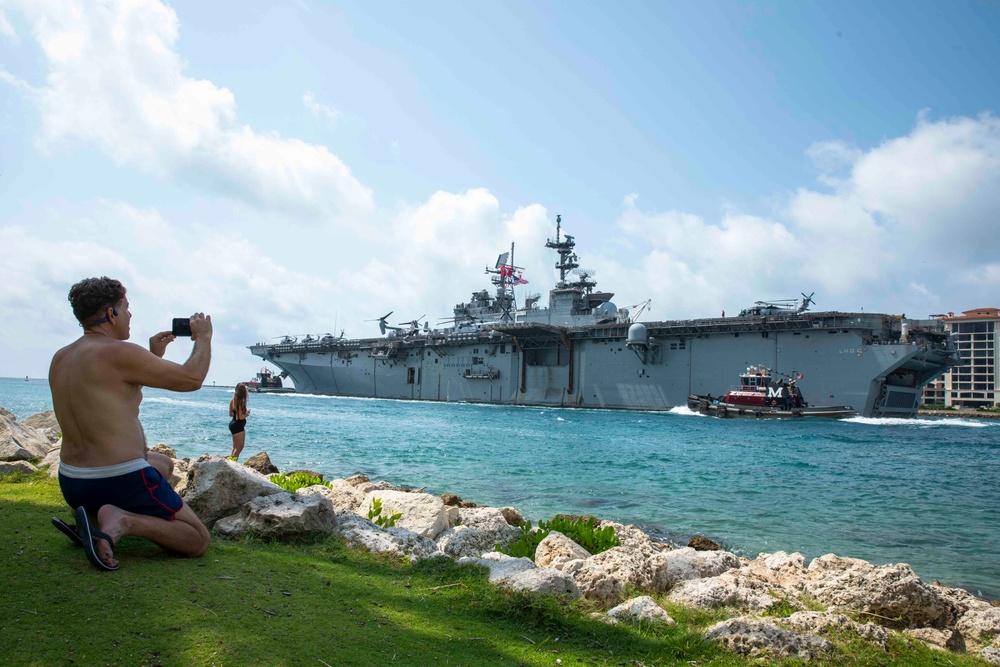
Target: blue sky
[303,167]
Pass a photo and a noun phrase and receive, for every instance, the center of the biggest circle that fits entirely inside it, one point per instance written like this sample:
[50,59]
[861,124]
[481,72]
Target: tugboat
[266,381]
[759,396]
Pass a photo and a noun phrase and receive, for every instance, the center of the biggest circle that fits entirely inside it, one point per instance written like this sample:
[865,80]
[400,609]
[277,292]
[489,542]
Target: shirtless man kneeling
[106,470]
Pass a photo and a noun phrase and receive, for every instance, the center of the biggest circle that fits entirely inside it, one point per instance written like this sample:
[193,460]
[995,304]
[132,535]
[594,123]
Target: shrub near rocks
[582,530]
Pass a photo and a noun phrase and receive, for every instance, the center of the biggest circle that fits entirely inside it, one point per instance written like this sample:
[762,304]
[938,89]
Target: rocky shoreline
[780,604]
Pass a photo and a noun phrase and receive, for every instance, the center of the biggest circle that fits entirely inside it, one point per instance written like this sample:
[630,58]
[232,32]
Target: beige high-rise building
[971,384]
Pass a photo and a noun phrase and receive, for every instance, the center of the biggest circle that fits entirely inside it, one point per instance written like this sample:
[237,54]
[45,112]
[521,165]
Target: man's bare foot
[114,522]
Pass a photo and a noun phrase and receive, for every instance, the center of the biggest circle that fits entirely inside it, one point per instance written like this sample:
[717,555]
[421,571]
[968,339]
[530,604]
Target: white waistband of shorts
[103,471]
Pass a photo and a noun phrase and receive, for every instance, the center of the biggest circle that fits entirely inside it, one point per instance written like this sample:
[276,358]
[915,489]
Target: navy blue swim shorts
[134,486]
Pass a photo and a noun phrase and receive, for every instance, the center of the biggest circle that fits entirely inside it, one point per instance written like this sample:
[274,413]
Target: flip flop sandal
[90,537]
[69,531]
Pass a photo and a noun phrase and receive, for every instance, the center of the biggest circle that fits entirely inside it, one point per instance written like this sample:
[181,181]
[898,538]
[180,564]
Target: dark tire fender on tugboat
[758,414]
[722,411]
[741,412]
[796,413]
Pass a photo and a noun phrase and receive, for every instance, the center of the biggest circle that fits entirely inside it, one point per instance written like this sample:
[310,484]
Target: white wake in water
[923,423]
[686,411]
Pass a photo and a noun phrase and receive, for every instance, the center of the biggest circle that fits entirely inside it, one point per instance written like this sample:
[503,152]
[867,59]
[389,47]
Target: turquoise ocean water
[922,491]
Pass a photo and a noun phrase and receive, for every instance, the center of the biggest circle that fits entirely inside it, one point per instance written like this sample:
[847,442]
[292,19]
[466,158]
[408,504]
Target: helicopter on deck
[778,306]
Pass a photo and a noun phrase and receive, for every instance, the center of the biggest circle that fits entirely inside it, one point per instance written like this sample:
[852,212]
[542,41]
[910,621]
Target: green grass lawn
[313,603]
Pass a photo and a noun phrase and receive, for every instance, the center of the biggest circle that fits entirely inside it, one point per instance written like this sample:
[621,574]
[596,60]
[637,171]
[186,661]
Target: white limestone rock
[52,458]
[45,423]
[687,563]
[546,581]
[179,477]
[991,655]
[345,497]
[596,580]
[361,533]
[217,488]
[645,568]
[890,591]
[640,609]
[762,638]
[557,549]
[366,487]
[940,640]
[958,601]
[501,566]
[422,513]
[471,541]
[482,518]
[980,626]
[634,538]
[11,467]
[821,622]
[281,516]
[735,588]
[19,442]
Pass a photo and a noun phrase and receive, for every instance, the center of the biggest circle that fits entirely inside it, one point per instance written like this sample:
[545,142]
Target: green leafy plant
[525,545]
[783,608]
[296,481]
[375,514]
[582,530]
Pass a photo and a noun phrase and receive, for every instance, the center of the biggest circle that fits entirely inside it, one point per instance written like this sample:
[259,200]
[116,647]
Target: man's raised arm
[149,369]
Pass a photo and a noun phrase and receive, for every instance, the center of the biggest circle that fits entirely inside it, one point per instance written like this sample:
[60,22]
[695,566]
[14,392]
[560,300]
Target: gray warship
[582,351]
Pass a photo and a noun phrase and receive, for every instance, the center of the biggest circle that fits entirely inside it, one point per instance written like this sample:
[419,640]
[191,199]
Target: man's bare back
[96,385]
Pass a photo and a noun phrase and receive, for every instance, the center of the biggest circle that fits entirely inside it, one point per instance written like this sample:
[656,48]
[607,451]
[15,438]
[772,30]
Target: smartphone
[181,326]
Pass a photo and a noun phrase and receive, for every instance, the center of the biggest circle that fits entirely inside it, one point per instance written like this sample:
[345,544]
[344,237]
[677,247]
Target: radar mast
[567,258]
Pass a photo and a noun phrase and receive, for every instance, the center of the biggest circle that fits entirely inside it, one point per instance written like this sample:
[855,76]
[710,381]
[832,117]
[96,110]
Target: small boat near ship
[760,396]
[266,381]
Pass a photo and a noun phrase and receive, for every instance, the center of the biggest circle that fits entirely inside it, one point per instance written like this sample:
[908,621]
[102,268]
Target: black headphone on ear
[114,311]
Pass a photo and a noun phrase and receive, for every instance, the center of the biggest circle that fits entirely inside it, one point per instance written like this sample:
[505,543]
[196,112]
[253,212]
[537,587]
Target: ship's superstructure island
[581,350]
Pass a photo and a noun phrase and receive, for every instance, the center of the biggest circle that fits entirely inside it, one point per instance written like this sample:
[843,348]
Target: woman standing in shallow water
[239,412]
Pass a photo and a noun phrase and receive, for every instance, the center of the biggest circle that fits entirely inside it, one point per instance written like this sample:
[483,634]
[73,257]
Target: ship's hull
[603,367]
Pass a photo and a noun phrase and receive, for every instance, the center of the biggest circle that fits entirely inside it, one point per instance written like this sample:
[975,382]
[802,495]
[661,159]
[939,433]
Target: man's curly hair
[91,296]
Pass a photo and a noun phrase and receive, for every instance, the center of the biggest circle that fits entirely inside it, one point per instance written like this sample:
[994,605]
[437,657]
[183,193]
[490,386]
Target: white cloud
[249,295]
[115,80]
[6,29]
[907,223]
[937,187]
[318,109]
[833,158]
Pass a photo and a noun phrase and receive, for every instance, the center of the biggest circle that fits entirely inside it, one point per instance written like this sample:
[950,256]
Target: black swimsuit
[237,425]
